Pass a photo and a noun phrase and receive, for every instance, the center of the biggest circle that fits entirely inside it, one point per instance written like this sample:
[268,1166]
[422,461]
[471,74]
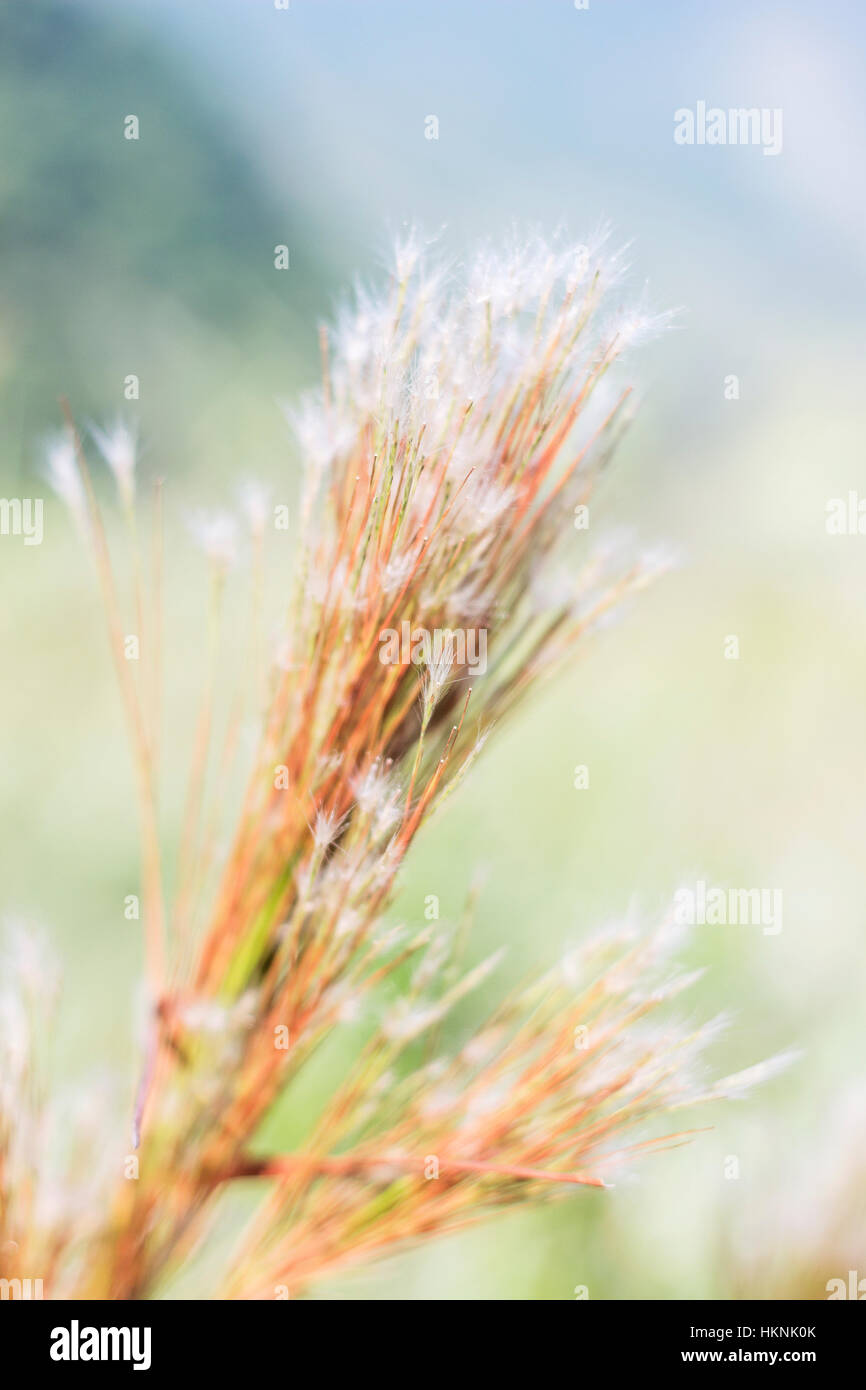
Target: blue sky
[547,112]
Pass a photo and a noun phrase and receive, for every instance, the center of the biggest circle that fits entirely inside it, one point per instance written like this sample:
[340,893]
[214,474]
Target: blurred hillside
[153,257]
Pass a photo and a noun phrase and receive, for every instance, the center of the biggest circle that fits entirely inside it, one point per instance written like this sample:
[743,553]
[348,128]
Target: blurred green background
[305,127]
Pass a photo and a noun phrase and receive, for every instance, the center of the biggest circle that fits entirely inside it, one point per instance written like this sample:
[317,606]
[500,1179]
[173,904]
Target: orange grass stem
[287,1165]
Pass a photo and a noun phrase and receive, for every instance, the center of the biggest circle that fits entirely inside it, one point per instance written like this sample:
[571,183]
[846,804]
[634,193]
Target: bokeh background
[306,127]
